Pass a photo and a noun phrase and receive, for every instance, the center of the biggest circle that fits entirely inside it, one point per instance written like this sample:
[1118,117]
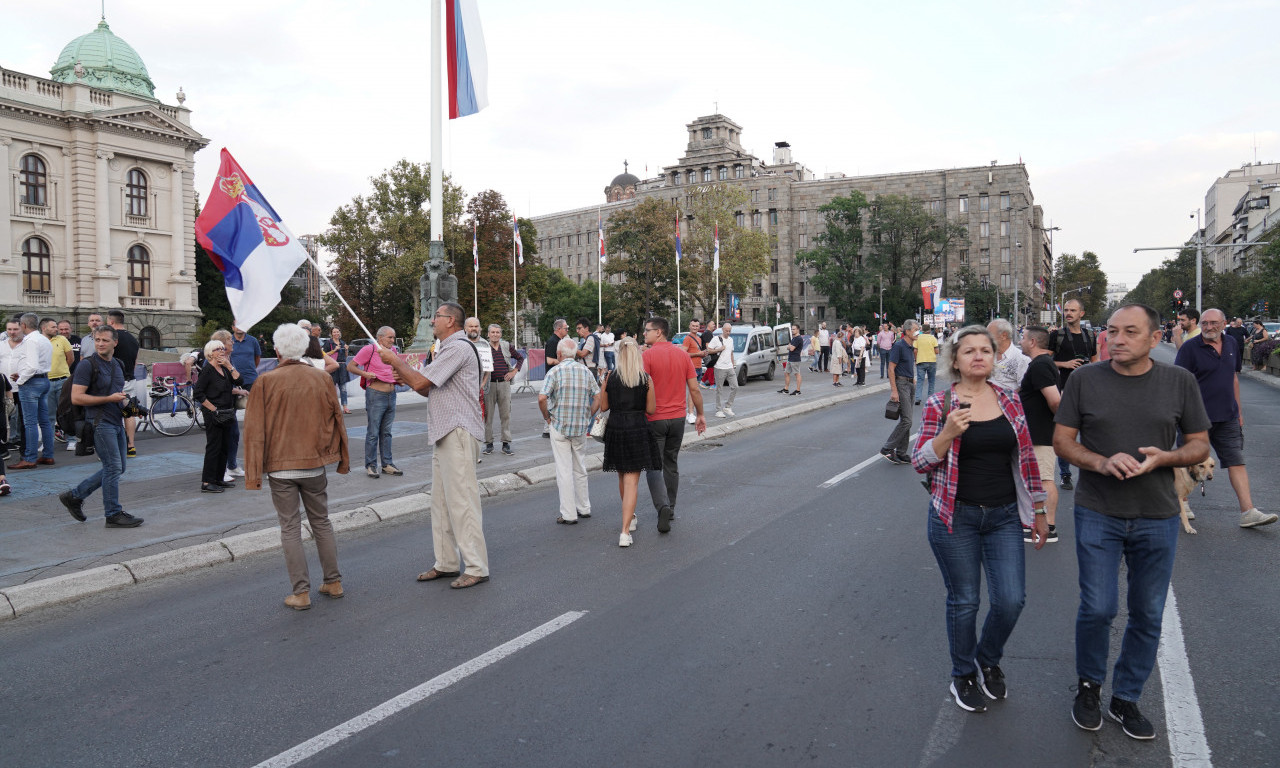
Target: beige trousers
[457,527]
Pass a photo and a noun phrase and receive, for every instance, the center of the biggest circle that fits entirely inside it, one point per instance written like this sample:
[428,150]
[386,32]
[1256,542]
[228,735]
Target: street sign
[1177,294]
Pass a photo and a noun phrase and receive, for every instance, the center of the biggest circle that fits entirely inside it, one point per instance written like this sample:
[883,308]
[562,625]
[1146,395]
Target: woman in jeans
[215,390]
[984,484]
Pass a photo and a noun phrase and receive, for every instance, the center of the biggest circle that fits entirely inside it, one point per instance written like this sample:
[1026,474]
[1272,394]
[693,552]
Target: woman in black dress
[629,445]
[215,390]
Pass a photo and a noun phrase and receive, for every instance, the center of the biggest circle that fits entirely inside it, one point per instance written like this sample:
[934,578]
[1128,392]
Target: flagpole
[368,333]
[678,319]
[475,267]
[515,307]
[599,274]
[717,244]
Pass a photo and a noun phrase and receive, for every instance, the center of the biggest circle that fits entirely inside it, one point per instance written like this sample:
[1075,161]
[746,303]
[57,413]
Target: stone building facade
[97,205]
[1007,241]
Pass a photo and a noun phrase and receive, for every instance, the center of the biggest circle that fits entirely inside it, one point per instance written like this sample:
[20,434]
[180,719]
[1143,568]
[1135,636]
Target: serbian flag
[677,238]
[600,234]
[717,256]
[248,243]
[475,248]
[515,228]
[468,62]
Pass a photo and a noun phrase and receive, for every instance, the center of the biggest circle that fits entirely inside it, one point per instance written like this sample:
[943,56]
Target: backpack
[70,418]
[595,349]
[1090,341]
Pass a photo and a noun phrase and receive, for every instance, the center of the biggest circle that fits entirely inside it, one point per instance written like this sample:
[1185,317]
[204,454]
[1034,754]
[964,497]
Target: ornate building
[97,205]
[1007,241]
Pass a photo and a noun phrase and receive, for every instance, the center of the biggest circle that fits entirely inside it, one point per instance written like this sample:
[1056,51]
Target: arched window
[33,181]
[37,274]
[136,192]
[149,338]
[139,271]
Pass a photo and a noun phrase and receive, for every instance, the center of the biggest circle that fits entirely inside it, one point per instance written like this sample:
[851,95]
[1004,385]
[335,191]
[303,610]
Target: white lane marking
[415,695]
[855,469]
[945,734]
[1188,747]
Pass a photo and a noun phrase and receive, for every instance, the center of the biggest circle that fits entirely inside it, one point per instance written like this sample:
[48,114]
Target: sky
[1124,112]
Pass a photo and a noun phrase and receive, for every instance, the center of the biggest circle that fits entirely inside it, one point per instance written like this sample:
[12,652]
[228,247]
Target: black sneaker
[1130,719]
[1026,535]
[1066,483]
[506,448]
[664,519]
[903,458]
[123,520]
[992,682]
[488,449]
[72,504]
[1053,534]
[967,696]
[1087,711]
[893,456]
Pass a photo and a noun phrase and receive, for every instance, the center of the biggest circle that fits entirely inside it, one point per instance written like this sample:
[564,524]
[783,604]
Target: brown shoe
[23,465]
[333,589]
[433,574]
[45,461]
[468,581]
[299,602]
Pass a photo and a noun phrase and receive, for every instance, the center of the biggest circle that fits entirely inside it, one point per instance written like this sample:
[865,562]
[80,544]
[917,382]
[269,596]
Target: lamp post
[881,277]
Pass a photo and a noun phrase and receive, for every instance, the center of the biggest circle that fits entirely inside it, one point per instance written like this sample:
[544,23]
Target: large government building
[97,205]
[1007,240]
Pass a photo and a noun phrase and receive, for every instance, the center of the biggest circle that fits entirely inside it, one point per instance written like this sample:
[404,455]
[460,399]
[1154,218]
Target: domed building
[98,209]
[623,186]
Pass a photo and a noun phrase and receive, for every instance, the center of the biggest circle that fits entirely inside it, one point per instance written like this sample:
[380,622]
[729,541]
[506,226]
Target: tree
[744,253]
[979,296]
[836,257]
[494,235]
[641,247]
[1072,272]
[907,241]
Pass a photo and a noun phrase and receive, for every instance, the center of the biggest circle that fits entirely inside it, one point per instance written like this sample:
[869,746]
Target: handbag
[893,410]
[242,402]
[598,425]
[222,416]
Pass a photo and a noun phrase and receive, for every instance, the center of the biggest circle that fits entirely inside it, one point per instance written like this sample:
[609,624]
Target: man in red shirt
[671,370]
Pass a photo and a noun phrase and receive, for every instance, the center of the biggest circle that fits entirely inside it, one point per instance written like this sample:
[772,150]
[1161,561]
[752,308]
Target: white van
[755,352]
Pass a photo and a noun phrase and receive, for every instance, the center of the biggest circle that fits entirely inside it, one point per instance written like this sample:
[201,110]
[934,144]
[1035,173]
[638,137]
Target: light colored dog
[1185,480]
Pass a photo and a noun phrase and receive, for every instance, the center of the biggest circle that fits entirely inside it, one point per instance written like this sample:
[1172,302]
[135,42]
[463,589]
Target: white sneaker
[1253,518]
[238,472]
[729,411]
[691,417]
[71,445]
[624,539]
[227,478]
[633,522]
[719,414]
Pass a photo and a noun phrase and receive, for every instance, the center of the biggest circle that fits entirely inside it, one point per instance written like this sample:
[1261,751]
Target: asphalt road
[781,622]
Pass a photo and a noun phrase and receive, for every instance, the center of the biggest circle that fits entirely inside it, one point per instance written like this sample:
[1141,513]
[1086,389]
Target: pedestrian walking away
[1123,413]
[926,346]
[98,386]
[902,390]
[565,400]
[629,444]
[984,484]
[672,374]
[293,429]
[454,428]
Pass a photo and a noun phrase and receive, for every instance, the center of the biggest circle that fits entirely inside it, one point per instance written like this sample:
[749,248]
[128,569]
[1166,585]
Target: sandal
[433,574]
[468,581]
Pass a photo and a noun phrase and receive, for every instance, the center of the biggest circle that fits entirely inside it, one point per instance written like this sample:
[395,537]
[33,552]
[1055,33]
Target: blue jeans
[1064,467]
[610,360]
[380,407]
[982,539]
[37,423]
[884,362]
[55,393]
[110,444]
[1147,547]
[924,370]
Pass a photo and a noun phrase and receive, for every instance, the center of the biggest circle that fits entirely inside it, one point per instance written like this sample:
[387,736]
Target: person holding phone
[984,485]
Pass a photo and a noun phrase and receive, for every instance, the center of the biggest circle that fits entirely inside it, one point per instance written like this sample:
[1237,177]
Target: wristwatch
[1040,511]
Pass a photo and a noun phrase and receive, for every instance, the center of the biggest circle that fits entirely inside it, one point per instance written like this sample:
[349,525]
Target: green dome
[106,62]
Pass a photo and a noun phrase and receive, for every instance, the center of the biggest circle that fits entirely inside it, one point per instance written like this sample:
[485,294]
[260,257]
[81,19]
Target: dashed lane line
[855,469]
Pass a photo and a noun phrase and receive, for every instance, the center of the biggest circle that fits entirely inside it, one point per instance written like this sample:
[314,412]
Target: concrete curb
[23,599]
[1264,378]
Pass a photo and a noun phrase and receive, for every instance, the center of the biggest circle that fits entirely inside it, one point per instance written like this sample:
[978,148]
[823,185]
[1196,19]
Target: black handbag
[223,416]
[893,410]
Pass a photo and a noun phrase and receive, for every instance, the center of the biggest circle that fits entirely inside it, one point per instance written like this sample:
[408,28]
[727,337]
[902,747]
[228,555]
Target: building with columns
[1006,244]
[97,208]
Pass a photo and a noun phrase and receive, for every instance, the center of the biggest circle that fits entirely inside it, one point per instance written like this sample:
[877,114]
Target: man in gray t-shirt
[1126,412]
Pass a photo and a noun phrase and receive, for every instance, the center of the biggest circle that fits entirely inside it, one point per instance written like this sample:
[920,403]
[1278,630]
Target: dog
[1185,480]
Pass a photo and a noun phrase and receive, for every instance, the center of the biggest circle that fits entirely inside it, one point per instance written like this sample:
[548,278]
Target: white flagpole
[437,172]
[334,288]
[475,270]
[716,245]
[678,321]
[515,307]
[599,272]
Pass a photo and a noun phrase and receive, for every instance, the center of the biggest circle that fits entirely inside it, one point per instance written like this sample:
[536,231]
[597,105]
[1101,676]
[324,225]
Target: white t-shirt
[824,337]
[606,341]
[725,361]
[859,347]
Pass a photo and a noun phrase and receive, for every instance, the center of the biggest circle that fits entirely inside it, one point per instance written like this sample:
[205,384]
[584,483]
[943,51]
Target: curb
[23,599]
[1264,378]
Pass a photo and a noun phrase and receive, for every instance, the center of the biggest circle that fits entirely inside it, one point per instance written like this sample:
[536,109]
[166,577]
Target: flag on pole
[677,238]
[717,256]
[600,234]
[468,62]
[248,243]
[475,248]
[515,228]
[777,308]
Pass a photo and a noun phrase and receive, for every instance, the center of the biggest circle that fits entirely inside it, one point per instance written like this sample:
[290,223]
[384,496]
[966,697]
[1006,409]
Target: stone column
[10,267]
[179,283]
[103,209]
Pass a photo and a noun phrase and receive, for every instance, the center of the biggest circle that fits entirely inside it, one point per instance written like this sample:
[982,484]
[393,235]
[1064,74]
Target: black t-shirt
[986,463]
[793,356]
[127,352]
[552,342]
[1239,334]
[1041,373]
[107,381]
[1071,346]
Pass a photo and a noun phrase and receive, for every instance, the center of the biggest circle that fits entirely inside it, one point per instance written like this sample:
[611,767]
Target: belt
[60,378]
[499,381]
[38,376]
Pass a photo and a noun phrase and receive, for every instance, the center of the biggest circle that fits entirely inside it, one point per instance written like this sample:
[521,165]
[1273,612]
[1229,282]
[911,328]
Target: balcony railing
[37,299]
[49,211]
[144,302]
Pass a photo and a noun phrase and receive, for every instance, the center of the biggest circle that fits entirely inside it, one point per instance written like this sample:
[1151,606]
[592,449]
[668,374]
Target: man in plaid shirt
[565,402]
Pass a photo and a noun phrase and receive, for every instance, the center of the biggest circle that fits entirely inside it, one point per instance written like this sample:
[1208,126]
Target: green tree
[641,247]
[1073,272]
[489,213]
[907,241]
[837,258]
[744,252]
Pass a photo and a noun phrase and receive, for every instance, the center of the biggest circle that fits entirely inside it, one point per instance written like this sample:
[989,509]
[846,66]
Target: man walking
[98,386]
[33,359]
[565,402]
[1011,364]
[1040,396]
[726,369]
[1072,346]
[127,353]
[453,427]
[902,390]
[379,400]
[926,345]
[1214,358]
[672,375]
[507,360]
[1126,510]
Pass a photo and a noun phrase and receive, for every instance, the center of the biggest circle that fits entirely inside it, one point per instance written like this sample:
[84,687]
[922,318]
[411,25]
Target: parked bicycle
[172,412]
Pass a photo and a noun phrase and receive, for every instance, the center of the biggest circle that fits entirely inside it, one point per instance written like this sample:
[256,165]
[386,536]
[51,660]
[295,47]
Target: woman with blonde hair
[629,445]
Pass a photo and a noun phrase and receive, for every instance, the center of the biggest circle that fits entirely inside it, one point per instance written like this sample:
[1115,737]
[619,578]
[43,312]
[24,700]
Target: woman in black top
[216,390]
[629,445]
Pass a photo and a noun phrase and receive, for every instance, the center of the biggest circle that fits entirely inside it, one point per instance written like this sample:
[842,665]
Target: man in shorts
[1040,398]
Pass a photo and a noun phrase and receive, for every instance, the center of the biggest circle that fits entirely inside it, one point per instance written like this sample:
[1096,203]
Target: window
[1004,280]
[804,216]
[37,274]
[149,338]
[723,173]
[773,289]
[754,345]
[33,181]
[755,219]
[984,229]
[984,256]
[1004,229]
[801,289]
[773,266]
[675,178]
[737,172]
[739,218]
[935,206]
[706,174]
[984,203]
[755,314]
[773,217]
[136,193]
[579,238]
[964,203]
[964,257]
[139,271]
[804,240]
[706,133]
[1004,255]
[757,290]
[755,195]
[693,177]
[773,193]
[822,311]
[1004,201]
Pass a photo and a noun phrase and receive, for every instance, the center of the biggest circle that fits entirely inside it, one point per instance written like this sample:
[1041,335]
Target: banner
[930,290]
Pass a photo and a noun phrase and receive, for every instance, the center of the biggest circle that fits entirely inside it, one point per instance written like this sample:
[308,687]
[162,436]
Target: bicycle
[172,413]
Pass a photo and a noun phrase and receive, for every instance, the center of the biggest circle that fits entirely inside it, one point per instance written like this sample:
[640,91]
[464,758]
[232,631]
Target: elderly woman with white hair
[293,429]
[216,391]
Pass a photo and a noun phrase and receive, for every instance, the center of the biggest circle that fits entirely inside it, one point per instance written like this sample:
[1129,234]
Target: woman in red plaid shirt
[984,487]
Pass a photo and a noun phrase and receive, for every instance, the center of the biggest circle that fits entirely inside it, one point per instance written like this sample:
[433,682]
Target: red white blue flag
[515,228]
[475,248]
[677,238]
[248,243]
[717,256]
[468,62]
[600,236]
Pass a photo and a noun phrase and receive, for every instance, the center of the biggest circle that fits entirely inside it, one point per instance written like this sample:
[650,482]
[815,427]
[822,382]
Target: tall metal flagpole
[717,265]
[437,152]
[475,267]
[599,270]
[515,307]
[679,323]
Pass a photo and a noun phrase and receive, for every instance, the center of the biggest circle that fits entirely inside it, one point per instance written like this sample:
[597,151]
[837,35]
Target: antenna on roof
[104,10]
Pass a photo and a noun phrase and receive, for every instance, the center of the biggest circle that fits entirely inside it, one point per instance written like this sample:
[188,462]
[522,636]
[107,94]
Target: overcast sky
[1124,112]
